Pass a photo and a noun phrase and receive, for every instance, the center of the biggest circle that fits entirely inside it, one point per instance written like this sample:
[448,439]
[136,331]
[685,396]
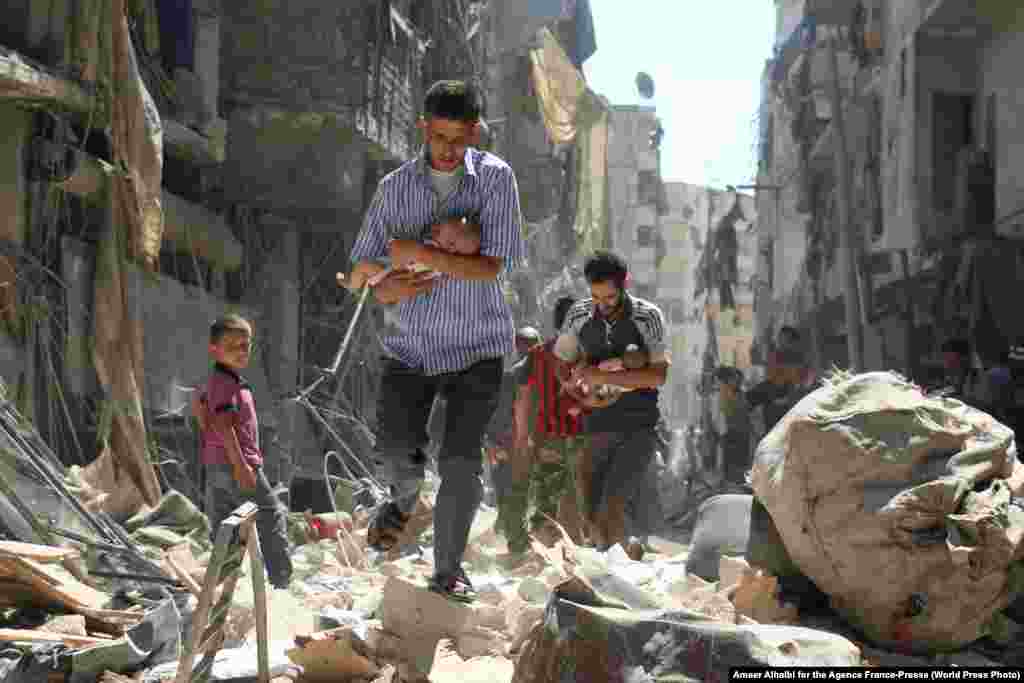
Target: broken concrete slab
[585,638]
[757,597]
[329,656]
[481,642]
[731,569]
[421,618]
[451,667]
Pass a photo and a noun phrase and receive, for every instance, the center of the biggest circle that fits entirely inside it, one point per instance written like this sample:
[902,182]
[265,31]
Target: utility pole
[847,230]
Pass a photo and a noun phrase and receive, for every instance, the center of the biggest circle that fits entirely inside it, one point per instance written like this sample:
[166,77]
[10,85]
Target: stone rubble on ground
[353,615]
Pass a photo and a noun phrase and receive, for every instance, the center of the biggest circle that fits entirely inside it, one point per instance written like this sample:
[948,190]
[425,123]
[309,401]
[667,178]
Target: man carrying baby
[454,323]
[622,435]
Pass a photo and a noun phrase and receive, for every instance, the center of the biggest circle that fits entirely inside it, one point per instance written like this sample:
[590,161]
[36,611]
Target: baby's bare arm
[361,272]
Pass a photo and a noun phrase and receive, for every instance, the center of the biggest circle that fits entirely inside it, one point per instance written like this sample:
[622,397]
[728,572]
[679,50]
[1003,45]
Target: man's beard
[608,312]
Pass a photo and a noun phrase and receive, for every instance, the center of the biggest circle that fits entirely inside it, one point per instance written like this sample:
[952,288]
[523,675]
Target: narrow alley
[399,341]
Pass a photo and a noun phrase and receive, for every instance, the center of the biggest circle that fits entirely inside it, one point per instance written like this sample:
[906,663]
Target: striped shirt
[553,418]
[457,323]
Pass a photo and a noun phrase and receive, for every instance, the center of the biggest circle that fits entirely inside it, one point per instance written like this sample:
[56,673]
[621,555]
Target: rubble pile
[95,585]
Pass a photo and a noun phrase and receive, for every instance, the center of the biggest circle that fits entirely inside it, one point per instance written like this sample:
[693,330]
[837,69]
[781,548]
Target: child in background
[231,453]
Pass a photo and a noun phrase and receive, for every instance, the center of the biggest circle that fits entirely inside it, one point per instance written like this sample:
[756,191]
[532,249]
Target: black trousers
[403,411]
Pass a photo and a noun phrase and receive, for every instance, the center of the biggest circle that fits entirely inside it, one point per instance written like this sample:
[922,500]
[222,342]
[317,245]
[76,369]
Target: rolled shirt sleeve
[652,329]
[372,241]
[501,222]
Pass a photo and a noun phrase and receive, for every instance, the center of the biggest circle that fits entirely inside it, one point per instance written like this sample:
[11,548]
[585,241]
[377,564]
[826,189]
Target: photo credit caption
[874,674]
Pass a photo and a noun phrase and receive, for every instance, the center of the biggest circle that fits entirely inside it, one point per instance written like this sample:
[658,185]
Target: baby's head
[458,236]
[634,358]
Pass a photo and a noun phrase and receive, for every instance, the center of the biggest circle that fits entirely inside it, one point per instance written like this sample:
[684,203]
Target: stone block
[731,570]
[450,667]
[421,618]
[480,642]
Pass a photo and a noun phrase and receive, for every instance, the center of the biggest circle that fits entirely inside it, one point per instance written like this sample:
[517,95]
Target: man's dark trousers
[403,409]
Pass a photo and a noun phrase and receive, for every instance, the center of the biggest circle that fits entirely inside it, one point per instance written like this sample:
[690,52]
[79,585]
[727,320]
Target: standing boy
[231,452]
[454,324]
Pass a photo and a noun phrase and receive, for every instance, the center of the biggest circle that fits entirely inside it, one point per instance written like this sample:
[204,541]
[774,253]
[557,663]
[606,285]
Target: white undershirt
[445,182]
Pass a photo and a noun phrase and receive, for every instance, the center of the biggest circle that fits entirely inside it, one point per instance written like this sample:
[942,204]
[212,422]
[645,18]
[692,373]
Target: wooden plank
[236,536]
[24,635]
[259,589]
[47,581]
[183,576]
[39,553]
[22,80]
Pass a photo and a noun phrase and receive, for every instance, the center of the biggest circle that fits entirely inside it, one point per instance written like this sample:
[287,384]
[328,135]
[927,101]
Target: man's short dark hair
[226,324]
[789,331]
[957,345]
[605,266]
[455,101]
[562,307]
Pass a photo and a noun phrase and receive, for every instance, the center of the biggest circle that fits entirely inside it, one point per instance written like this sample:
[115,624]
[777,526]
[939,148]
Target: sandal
[387,524]
[456,587]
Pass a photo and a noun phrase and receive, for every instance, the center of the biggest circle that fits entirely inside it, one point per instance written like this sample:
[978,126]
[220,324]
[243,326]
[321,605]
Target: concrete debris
[352,615]
[328,656]
[452,666]
[757,596]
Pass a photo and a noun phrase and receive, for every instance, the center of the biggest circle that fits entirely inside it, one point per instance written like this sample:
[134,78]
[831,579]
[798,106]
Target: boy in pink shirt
[231,453]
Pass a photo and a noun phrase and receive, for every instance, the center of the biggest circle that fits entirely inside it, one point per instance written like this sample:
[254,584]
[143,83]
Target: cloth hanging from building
[520,20]
[592,177]
[135,231]
[559,86]
[586,39]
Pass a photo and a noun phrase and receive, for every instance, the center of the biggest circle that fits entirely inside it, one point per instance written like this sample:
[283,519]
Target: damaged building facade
[229,170]
[927,104]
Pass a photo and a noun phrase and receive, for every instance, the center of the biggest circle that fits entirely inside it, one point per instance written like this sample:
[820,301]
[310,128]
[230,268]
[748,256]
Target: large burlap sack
[898,506]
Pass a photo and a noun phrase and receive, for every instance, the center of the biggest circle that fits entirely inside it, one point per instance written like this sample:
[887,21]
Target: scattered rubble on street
[95,588]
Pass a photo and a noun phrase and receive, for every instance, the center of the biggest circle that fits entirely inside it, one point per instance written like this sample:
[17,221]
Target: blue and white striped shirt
[458,322]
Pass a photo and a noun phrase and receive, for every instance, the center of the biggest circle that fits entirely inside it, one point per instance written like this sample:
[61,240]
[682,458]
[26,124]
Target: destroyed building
[926,131]
[169,161]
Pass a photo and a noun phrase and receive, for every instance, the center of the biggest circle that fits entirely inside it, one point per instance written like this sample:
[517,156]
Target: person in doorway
[454,325]
[509,466]
[231,453]
[622,436]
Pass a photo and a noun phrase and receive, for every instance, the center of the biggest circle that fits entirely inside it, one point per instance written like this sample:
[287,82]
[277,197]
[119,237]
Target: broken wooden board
[68,624]
[25,635]
[50,584]
[36,552]
[236,538]
[22,80]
